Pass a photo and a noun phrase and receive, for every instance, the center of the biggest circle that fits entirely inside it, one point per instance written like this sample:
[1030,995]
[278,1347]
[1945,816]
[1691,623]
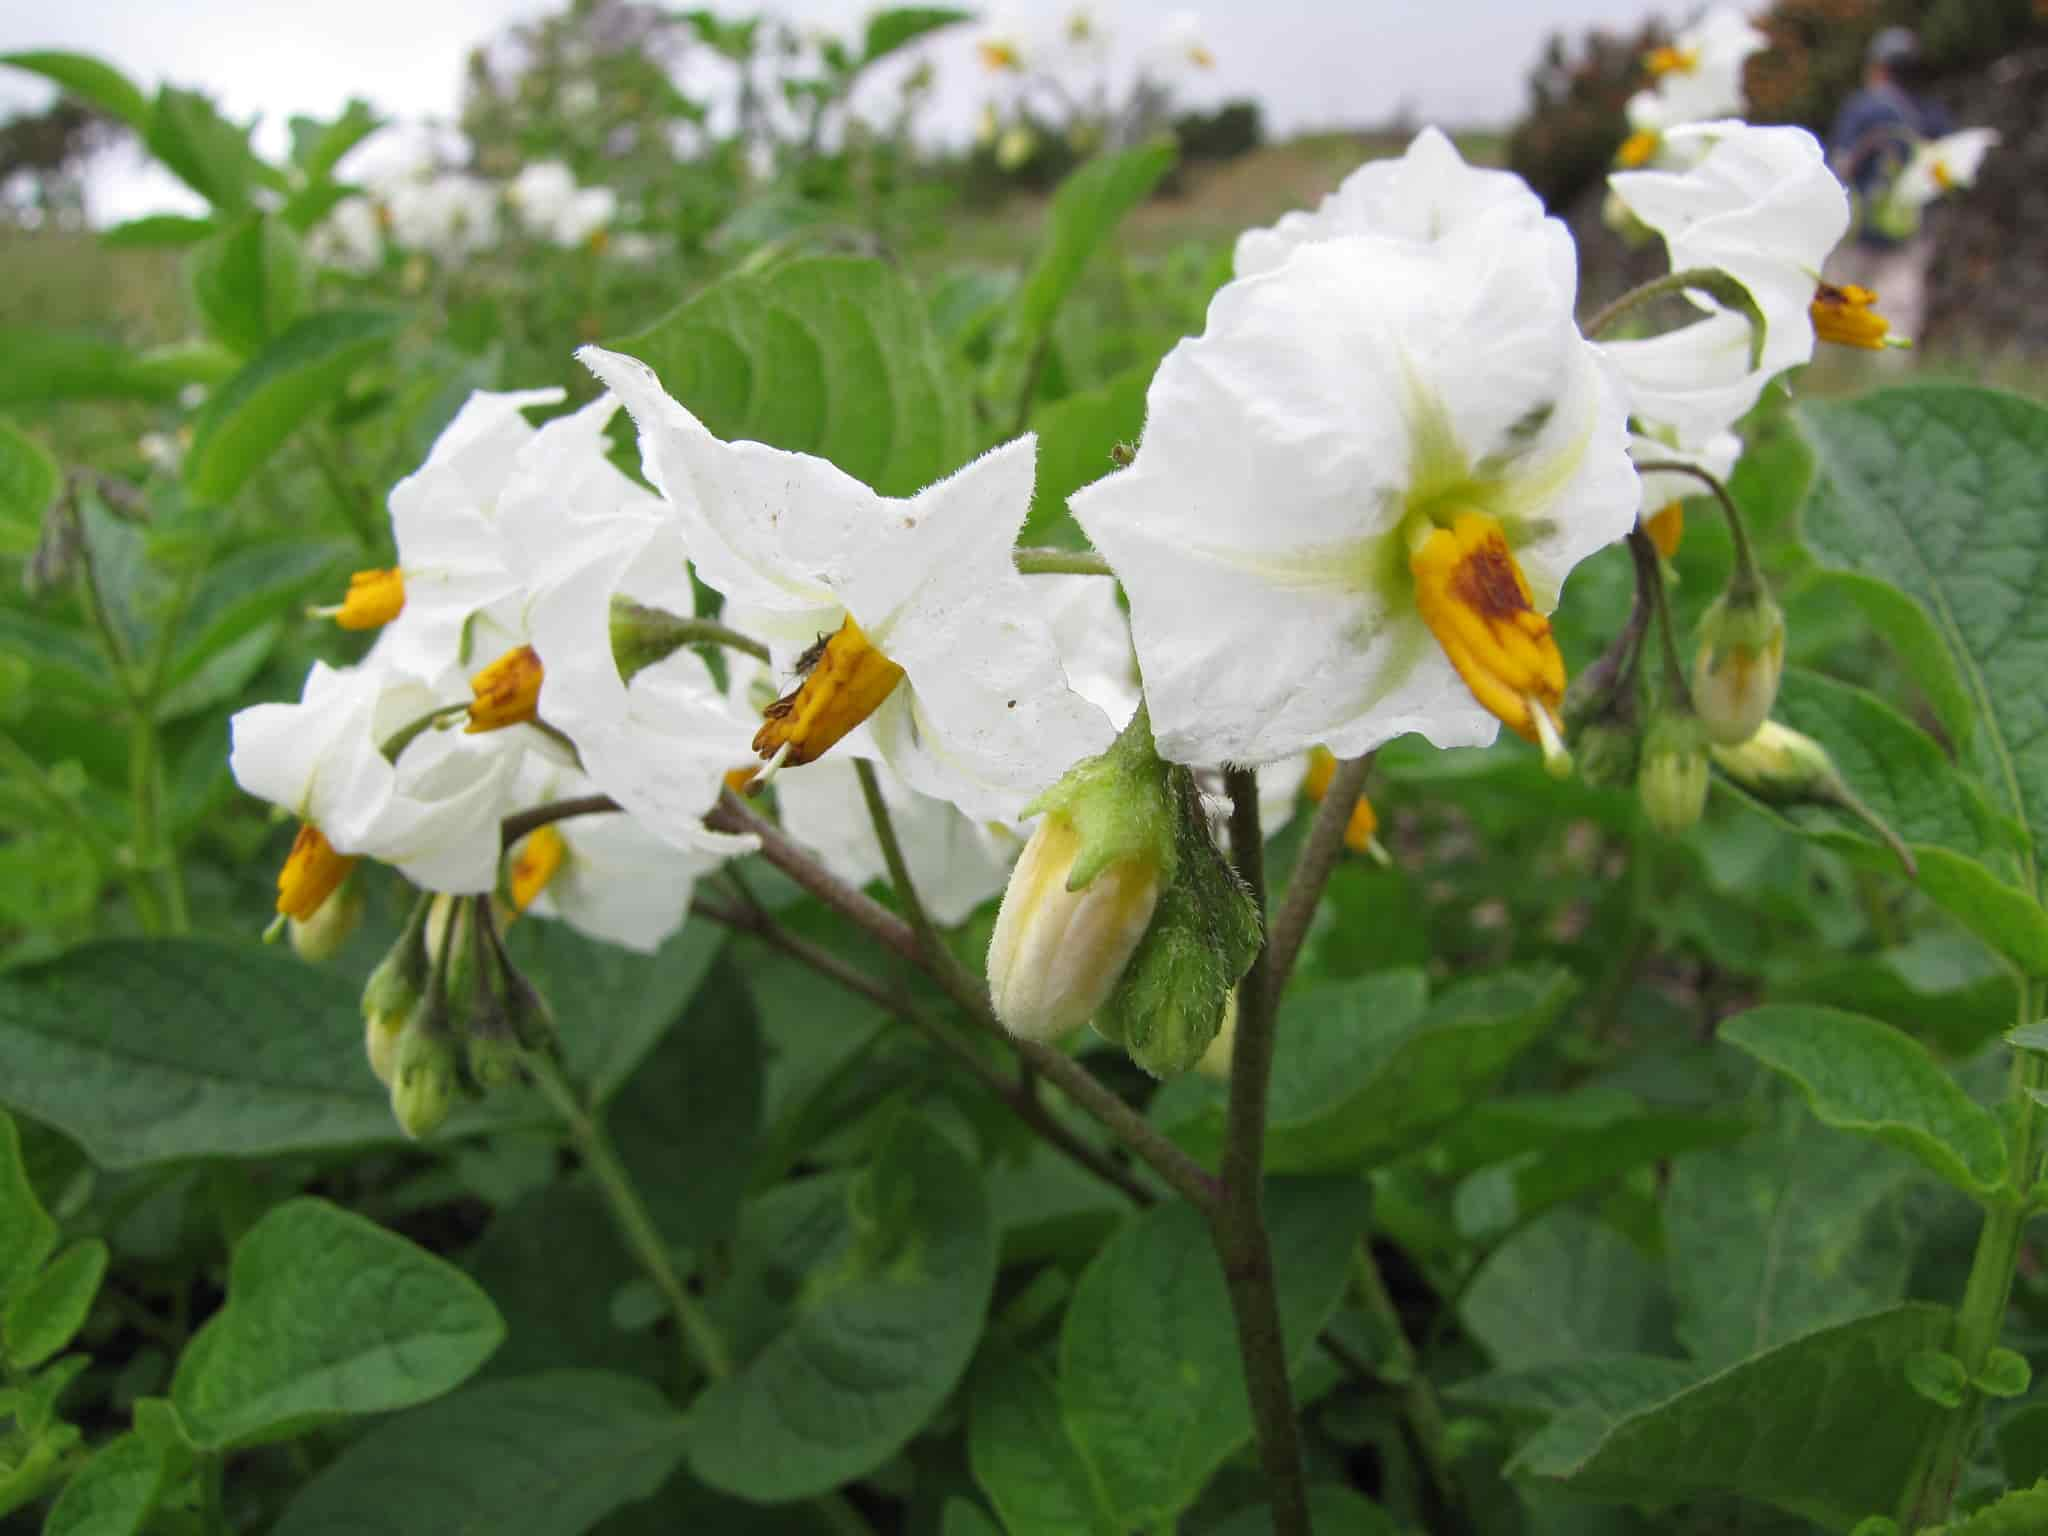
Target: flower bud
[1736,668]
[1672,780]
[424,1081]
[1778,763]
[1215,1062]
[393,992]
[319,938]
[381,1035]
[642,636]
[1608,753]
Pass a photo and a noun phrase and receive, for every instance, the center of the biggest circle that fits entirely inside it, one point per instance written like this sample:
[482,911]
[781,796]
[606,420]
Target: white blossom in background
[1937,167]
[1761,205]
[931,635]
[1358,492]
[1180,48]
[551,205]
[451,216]
[1426,194]
[1698,78]
[350,238]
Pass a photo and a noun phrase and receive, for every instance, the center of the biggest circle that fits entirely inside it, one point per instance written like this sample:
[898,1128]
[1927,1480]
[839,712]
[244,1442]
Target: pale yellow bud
[1215,1061]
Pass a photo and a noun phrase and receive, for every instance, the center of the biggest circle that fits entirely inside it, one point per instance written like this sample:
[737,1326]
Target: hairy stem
[1747,575]
[1237,1221]
[1312,871]
[1708,280]
[1061,562]
[1677,692]
[514,828]
[703,1347]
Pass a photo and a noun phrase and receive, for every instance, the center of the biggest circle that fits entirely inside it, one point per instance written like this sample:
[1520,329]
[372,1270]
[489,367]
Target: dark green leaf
[889,1272]
[547,1455]
[328,1314]
[1562,1288]
[1822,1425]
[2017,1512]
[112,1494]
[47,1313]
[1151,1383]
[1938,1376]
[27,1235]
[2023,1445]
[960,1518]
[552,1264]
[1087,208]
[829,356]
[287,381]
[1334,1511]
[29,482]
[92,80]
[1023,1457]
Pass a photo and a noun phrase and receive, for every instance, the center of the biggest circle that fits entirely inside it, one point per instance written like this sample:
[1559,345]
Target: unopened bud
[642,636]
[381,1035]
[392,993]
[1784,767]
[1672,780]
[1215,1061]
[424,1081]
[1608,754]
[319,938]
[1736,669]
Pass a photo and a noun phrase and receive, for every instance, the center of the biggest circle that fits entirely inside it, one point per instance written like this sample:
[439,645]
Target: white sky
[1311,63]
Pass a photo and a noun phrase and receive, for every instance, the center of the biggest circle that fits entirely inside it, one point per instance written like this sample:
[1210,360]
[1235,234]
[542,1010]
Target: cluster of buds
[446,1012]
[1123,913]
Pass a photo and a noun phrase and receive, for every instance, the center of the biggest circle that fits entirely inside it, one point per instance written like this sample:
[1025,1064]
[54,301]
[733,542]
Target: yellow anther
[1638,149]
[1364,825]
[1846,317]
[1671,61]
[312,872]
[847,683]
[1942,178]
[1474,599]
[740,780]
[507,691]
[1000,55]
[539,855]
[374,600]
[1666,526]
[1201,57]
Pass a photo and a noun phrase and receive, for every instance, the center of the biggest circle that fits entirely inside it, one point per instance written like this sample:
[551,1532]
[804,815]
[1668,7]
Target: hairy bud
[1736,669]
[1672,781]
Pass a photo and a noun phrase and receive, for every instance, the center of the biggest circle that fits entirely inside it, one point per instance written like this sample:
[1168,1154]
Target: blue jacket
[1873,138]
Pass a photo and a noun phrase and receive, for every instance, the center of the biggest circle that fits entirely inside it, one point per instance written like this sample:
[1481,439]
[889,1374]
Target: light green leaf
[247,590]
[1563,1287]
[27,1235]
[1022,1455]
[318,147]
[1333,1511]
[29,482]
[829,356]
[207,152]
[1906,626]
[1075,438]
[1862,1076]
[1938,1376]
[1087,208]
[158,231]
[892,1269]
[248,282]
[1944,988]
[328,1314]
[546,1455]
[51,365]
[155,1051]
[92,80]
[1822,1425]
[901,26]
[49,1311]
[2005,1373]
[113,1494]
[1937,490]
[2017,1512]
[1792,1229]
[1150,1381]
[287,381]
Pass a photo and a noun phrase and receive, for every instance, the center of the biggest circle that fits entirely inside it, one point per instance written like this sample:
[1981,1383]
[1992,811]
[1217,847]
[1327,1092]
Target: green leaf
[828,356]
[29,482]
[1597,1390]
[2023,1445]
[1937,490]
[1087,208]
[50,365]
[1937,1376]
[1822,1425]
[1332,1510]
[248,282]
[318,147]
[960,1518]
[1561,1288]
[27,1235]
[1792,1229]
[91,80]
[896,28]
[113,1494]
[1023,1457]
[204,150]
[2005,1373]
[328,1314]
[287,381]
[1862,1076]
[552,1264]
[1944,988]
[1150,1382]
[546,1455]
[1905,624]
[891,1270]
[159,231]
[2018,1512]
[1075,438]
[50,1310]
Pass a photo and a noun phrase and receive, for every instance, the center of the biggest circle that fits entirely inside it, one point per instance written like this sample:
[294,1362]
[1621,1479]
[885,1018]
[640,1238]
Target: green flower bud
[1215,1061]
[641,636]
[1735,671]
[1784,767]
[1608,753]
[382,1033]
[1082,896]
[393,992]
[424,1081]
[1672,780]
[320,937]
[1169,1005]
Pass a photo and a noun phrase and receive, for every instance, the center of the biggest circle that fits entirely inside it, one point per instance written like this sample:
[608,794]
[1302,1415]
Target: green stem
[1708,280]
[1237,1221]
[1425,1413]
[703,1346]
[1747,577]
[1313,869]
[22,763]
[1061,562]
[1981,1318]
[152,849]
[937,956]
[213,1494]
[1677,693]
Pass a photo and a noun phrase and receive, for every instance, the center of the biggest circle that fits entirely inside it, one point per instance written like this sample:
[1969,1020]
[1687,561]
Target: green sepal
[1937,1376]
[1121,803]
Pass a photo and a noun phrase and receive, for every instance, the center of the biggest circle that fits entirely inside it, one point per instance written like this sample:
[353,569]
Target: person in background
[1873,138]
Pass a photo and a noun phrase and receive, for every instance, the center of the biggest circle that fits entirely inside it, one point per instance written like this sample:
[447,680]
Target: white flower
[956,864]
[1699,75]
[451,216]
[579,535]
[550,203]
[1094,641]
[1358,492]
[350,238]
[1179,47]
[1425,195]
[603,875]
[1762,206]
[932,635]
[1941,165]
[434,814]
